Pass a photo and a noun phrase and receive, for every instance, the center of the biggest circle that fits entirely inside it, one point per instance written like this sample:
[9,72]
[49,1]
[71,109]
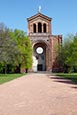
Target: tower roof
[39,15]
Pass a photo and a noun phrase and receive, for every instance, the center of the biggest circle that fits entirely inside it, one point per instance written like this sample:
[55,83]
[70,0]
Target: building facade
[43,43]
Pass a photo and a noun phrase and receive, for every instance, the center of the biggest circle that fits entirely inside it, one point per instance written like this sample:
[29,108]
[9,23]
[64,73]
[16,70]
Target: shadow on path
[63,80]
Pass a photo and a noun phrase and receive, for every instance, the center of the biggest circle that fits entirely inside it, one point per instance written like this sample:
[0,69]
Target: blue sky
[63,13]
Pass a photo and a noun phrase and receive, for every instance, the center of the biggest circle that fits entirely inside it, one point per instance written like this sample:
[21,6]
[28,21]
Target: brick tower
[43,43]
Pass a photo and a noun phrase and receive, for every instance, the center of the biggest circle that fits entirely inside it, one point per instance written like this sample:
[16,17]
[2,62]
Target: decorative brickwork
[40,34]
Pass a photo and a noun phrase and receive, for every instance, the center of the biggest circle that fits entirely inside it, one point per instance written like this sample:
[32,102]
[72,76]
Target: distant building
[43,43]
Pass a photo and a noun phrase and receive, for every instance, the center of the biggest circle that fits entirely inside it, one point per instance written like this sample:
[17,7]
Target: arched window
[39,27]
[34,28]
[44,28]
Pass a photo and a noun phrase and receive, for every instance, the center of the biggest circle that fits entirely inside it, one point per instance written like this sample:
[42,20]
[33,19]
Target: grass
[8,77]
[71,76]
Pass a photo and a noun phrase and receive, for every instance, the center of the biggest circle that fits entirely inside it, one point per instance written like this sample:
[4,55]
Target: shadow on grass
[62,80]
[71,76]
[67,79]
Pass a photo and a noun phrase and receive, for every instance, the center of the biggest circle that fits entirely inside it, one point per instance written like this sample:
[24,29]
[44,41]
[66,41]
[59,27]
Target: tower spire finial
[39,9]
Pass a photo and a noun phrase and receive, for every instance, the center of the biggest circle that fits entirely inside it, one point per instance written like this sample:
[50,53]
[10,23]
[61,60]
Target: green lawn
[8,77]
[71,76]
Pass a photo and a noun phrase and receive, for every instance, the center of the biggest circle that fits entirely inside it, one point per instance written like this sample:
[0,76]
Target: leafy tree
[25,48]
[67,56]
[15,49]
[8,49]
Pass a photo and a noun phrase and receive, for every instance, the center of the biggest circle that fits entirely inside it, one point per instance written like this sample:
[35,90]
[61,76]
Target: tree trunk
[5,68]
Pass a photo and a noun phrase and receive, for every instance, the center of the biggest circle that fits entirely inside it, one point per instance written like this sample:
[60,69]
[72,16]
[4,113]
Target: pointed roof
[39,15]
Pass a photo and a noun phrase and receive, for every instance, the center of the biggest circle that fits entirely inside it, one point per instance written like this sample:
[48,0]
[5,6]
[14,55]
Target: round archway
[39,52]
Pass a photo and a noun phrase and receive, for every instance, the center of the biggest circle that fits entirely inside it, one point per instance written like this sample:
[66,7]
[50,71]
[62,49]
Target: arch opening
[44,28]
[39,27]
[39,52]
[34,28]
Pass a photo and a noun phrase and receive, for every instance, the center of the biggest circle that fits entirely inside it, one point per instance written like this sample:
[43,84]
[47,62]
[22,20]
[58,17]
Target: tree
[25,48]
[8,49]
[15,49]
[67,56]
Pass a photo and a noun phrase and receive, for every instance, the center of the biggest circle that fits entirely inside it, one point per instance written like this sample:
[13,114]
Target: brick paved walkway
[38,94]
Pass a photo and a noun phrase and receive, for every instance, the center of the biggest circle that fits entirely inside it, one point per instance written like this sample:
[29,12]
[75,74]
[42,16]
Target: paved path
[38,94]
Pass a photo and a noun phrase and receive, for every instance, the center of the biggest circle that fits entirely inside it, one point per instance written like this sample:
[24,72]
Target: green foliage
[25,48]
[15,49]
[8,49]
[67,56]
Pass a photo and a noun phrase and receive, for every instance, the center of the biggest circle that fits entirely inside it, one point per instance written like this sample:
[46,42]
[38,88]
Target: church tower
[43,42]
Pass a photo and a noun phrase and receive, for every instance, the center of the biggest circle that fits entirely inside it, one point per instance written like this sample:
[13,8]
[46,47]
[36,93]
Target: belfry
[43,43]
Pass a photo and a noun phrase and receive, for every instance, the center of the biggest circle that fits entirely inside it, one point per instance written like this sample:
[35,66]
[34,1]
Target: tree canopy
[15,48]
[67,56]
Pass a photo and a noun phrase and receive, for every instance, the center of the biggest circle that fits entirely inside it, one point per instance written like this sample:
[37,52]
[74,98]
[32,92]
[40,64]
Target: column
[36,27]
[42,28]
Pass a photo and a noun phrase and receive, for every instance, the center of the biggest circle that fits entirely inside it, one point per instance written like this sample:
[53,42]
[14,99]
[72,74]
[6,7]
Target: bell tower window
[44,28]
[39,27]
[34,28]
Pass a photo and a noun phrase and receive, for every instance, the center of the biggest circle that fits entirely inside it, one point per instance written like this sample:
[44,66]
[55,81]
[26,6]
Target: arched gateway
[39,52]
[43,43]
